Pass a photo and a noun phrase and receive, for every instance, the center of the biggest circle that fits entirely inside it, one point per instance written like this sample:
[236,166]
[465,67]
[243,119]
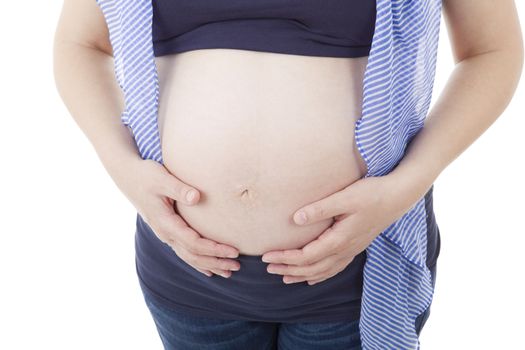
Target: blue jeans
[179,330]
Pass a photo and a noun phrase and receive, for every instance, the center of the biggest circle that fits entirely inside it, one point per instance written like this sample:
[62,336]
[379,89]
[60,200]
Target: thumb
[174,188]
[325,208]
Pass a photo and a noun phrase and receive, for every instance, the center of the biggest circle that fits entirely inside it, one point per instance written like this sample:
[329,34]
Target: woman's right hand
[152,189]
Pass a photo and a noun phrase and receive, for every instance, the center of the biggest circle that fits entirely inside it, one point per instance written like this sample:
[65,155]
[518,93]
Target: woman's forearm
[477,92]
[86,82]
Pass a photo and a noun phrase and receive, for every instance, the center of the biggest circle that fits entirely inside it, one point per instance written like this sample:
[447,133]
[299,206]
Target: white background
[67,273]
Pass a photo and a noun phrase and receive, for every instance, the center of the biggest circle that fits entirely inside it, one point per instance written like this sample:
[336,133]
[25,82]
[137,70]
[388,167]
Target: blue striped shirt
[398,83]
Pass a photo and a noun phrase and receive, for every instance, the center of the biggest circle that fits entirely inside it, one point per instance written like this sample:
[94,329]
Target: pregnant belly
[260,135]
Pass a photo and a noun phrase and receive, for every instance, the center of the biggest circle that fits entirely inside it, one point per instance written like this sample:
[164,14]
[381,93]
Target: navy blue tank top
[337,28]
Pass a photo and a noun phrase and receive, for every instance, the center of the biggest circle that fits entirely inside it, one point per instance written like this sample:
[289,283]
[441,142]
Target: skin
[282,131]
[487,46]
[488,52]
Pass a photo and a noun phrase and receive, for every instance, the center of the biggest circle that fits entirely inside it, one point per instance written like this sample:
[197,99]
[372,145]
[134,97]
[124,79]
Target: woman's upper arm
[82,22]
[479,26]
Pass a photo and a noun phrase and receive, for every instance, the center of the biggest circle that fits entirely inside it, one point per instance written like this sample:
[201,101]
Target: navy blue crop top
[336,28]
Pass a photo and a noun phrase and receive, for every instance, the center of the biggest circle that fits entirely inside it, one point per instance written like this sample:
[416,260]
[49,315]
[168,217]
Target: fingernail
[232,255]
[190,195]
[300,218]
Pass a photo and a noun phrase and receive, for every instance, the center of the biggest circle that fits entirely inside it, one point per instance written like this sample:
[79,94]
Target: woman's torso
[260,135]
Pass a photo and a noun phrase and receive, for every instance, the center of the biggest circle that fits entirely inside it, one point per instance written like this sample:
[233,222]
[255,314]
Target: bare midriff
[260,135]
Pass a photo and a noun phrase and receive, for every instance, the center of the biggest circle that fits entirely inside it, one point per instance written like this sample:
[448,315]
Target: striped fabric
[398,86]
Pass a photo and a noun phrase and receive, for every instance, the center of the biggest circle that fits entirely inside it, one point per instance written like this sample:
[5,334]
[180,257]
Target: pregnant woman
[253,106]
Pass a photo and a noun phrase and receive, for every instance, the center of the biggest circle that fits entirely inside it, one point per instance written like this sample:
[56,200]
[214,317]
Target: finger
[288,256]
[294,279]
[328,243]
[297,279]
[313,281]
[303,270]
[174,188]
[328,207]
[331,241]
[191,240]
[204,246]
[181,253]
[223,273]
[213,263]
[200,264]
[205,272]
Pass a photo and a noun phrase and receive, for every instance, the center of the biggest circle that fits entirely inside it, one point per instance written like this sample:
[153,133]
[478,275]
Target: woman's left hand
[361,211]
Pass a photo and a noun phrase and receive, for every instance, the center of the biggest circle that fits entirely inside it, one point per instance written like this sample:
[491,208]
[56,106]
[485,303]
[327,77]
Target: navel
[248,196]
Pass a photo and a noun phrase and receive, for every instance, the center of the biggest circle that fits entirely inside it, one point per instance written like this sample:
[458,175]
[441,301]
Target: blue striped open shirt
[397,91]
